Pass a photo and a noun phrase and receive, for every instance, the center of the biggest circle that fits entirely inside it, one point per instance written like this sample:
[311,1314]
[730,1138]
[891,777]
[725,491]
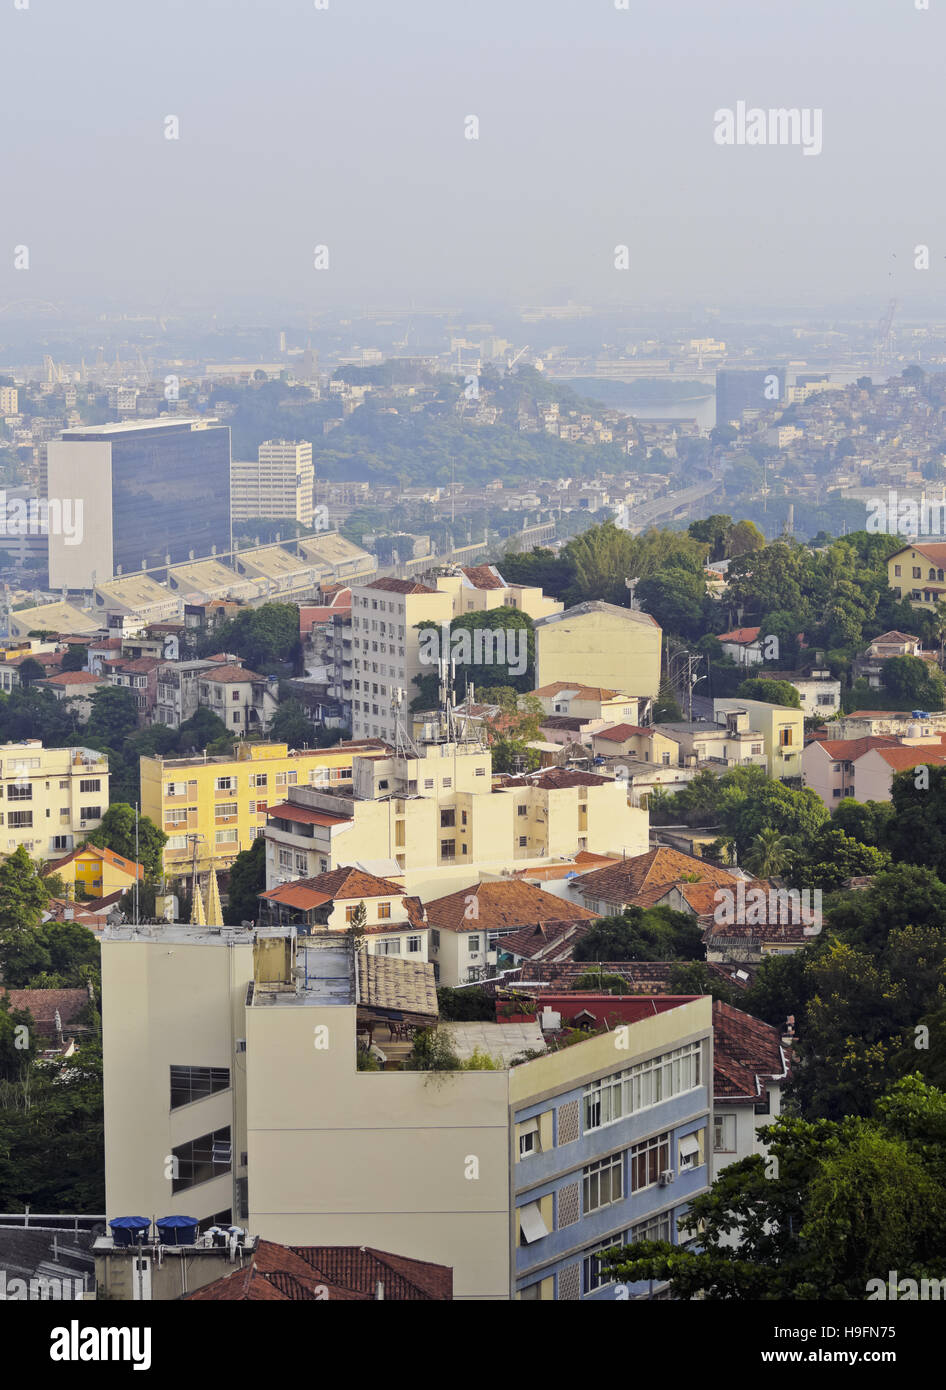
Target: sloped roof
[392,983]
[67,678]
[43,1003]
[230,675]
[902,759]
[740,636]
[657,869]
[306,815]
[578,691]
[502,903]
[545,940]
[400,586]
[346,882]
[483,576]
[746,1053]
[850,748]
[289,1274]
[617,733]
[108,856]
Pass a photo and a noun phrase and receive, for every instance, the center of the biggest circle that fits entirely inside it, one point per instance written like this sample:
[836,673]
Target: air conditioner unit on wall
[666,1177]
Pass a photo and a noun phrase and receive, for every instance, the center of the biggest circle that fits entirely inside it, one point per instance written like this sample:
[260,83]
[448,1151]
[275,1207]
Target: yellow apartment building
[50,798]
[479,588]
[616,648]
[232,1092]
[224,801]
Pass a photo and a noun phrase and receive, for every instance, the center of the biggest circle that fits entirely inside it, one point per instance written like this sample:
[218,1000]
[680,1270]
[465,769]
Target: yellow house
[781,728]
[618,648]
[96,872]
[223,802]
[918,574]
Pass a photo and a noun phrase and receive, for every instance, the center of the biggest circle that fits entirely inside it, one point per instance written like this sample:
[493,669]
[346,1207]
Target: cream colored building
[435,818]
[386,650]
[232,1092]
[588,702]
[224,802]
[278,485]
[9,400]
[480,588]
[616,648]
[50,798]
[781,729]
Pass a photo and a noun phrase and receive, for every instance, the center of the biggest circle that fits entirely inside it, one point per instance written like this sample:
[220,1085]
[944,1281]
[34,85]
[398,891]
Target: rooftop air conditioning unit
[666,1177]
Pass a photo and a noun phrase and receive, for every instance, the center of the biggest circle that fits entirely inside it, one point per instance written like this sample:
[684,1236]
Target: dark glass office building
[151,489]
[737,389]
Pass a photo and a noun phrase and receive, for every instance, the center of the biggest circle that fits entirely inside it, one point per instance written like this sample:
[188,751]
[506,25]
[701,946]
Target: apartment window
[528,1138]
[225,810]
[225,784]
[532,1225]
[89,784]
[388,946]
[473,945]
[602,1183]
[90,813]
[916,571]
[350,913]
[690,1152]
[194,1083]
[63,786]
[655,1228]
[59,841]
[724,1134]
[235,695]
[210,1156]
[257,779]
[177,842]
[384,912]
[522,810]
[448,819]
[428,784]
[285,860]
[649,1160]
[414,945]
[225,837]
[236,719]
[15,793]
[176,816]
[637,1088]
[447,783]
[784,737]
[435,939]
[481,772]
[896,570]
[448,849]
[592,1275]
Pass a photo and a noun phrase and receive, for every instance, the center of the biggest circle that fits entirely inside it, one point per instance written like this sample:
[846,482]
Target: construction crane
[511,361]
[884,344]
[54,373]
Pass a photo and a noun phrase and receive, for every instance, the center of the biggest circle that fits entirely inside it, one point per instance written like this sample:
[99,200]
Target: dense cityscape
[473,768]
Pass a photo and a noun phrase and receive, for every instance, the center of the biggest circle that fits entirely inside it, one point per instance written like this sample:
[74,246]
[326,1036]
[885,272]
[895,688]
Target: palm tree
[768,854]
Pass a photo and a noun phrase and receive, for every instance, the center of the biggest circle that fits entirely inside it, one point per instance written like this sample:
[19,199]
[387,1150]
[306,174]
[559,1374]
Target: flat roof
[161,422]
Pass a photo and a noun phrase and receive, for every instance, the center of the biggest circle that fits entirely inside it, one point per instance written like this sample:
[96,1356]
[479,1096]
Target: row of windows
[638,1087]
[201,1159]
[315,775]
[656,1228]
[934,574]
[195,1083]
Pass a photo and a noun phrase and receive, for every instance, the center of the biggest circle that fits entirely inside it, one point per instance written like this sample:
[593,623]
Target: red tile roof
[289,1274]
[902,759]
[502,903]
[109,856]
[344,883]
[484,577]
[617,733]
[400,586]
[645,875]
[66,678]
[230,675]
[847,749]
[42,1004]
[746,1053]
[740,636]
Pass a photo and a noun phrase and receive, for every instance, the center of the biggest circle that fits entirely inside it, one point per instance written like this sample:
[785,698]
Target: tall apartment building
[149,489]
[741,389]
[224,801]
[433,815]
[385,645]
[50,798]
[232,1091]
[9,400]
[278,485]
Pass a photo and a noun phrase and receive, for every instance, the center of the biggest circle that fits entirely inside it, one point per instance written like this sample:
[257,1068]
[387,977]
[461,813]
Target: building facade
[51,797]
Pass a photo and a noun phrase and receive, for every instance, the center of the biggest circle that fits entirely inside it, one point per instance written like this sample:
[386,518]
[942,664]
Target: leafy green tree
[917,830]
[247,881]
[264,637]
[866,821]
[769,853]
[201,730]
[290,724]
[117,832]
[31,670]
[665,708]
[831,857]
[770,691]
[903,895]
[757,805]
[114,715]
[75,658]
[909,678]
[657,933]
[844,1202]
[675,599]
[712,531]
[743,539]
[17,1048]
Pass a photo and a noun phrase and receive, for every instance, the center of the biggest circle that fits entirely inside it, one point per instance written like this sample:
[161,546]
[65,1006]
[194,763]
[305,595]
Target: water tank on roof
[913,731]
[920,714]
[177,1230]
[130,1230]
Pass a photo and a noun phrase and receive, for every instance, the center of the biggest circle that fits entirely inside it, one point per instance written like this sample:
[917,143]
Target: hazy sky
[345,127]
